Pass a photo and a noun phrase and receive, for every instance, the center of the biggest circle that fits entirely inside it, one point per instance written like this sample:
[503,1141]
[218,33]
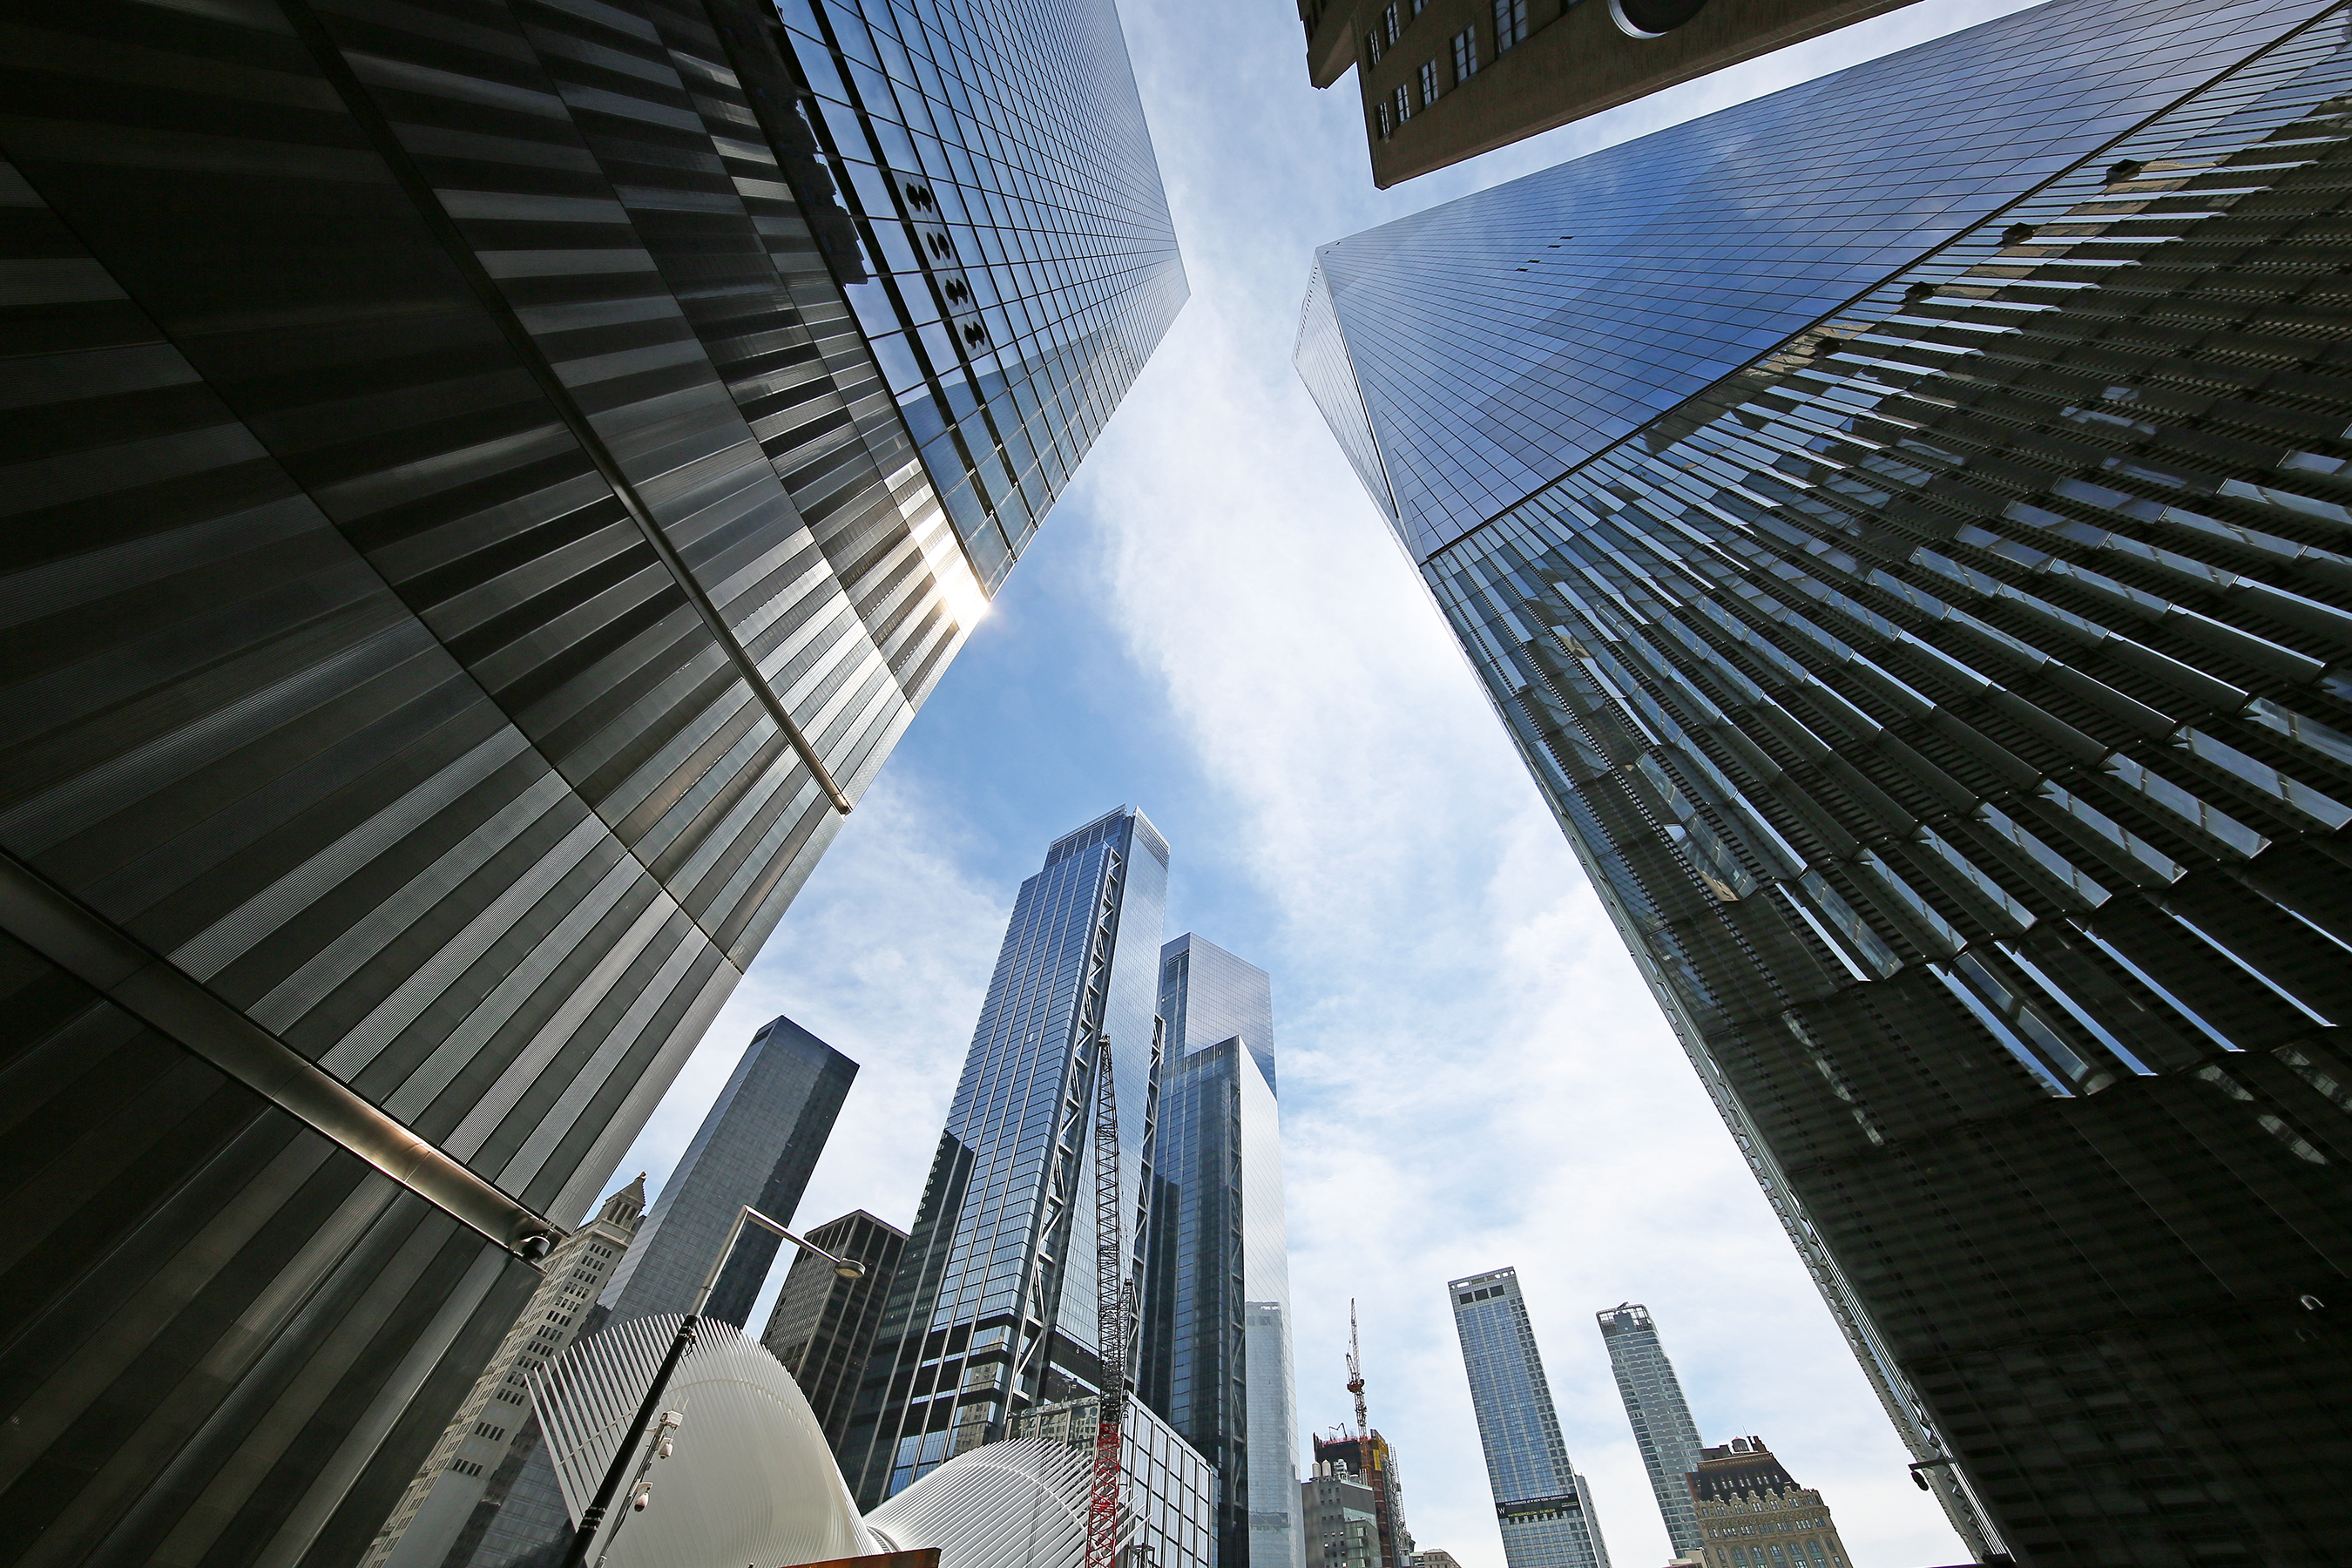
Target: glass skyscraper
[1660,1415]
[993,1307]
[466,549]
[1215,1352]
[1543,1506]
[1903,523]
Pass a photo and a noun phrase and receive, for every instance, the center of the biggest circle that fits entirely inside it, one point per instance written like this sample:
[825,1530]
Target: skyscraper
[1544,1507]
[465,555]
[1752,1513]
[985,1316]
[442,1498]
[757,1144]
[1661,1416]
[822,1325]
[1925,619]
[1215,1357]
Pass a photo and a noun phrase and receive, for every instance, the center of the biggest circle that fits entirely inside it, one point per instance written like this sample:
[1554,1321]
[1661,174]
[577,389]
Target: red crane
[1111,1318]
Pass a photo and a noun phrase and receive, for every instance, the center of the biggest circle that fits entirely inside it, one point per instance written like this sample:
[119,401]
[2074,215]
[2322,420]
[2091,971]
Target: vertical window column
[1428,83]
[1466,55]
[1510,24]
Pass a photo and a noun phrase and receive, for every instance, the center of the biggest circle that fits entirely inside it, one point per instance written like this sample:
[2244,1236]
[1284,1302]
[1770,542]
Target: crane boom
[1356,1373]
[1103,1508]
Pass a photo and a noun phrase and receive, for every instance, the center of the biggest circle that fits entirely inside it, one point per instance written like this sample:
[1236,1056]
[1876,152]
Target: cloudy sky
[1213,626]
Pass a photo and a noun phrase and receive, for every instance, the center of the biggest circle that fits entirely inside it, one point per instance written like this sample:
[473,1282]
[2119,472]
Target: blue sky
[1213,626]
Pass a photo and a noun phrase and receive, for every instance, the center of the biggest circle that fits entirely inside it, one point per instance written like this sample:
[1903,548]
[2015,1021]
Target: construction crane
[1112,1315]
[1356,1373]
[1371,1452]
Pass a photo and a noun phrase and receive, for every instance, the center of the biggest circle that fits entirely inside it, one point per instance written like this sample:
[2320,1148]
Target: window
[1389,21]
[1381,115]
[1466,55]
[1428,83]
[1372,46]
[1403,104]
[1510,23]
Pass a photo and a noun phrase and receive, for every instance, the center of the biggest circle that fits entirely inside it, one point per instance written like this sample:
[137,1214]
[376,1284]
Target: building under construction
[1366,1462]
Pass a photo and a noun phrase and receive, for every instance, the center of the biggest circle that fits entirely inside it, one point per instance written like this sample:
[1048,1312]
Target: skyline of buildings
[488,497]
[1923,620]
[1542,1506]
[1664,1429]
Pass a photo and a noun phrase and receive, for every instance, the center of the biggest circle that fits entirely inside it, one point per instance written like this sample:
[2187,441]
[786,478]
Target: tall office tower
[1925,618]
[465,554]
[1544,1507]
[1372,1463]
[1214,1357]
[1442,80]
[986,1315]
[1753,1514]
[757,1144]
[822,1325]
[1661,1416]
[442,1498]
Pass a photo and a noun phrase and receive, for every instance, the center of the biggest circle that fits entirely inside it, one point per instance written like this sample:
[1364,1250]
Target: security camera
[535,1247]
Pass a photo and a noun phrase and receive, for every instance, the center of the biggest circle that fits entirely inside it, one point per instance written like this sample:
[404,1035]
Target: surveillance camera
[535,1247]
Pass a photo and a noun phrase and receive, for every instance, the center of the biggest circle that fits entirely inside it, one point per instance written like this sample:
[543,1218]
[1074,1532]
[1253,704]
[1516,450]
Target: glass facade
[984,1316]
[1214,1357]
[1171,1489]
[1660,1415]
[996,164]
[823,1326]
[464,558]
[1543,1506]
[1943,687]
[757,1145]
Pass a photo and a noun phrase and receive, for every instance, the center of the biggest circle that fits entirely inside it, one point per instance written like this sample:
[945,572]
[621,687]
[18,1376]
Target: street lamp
[585,1536]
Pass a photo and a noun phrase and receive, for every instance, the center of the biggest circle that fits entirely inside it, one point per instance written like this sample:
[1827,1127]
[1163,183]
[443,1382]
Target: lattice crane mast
[1113,1314]
[1371,1452]
[1356,1374]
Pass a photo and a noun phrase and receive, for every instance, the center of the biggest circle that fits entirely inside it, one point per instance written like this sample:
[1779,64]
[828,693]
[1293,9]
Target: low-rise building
[1753,1514]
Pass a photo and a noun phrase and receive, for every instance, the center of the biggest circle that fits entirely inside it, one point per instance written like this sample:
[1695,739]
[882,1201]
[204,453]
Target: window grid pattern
[1004,188]
[1466,55]
[1949,708]
[982,1316]
[1510,24]
[1542,1505]
[1499,340]
[1659,1415]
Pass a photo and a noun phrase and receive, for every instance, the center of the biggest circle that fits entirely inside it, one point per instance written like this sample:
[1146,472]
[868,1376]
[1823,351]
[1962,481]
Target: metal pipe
[592,1518]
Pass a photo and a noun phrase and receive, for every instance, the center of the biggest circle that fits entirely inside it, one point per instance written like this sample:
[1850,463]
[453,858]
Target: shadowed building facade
[822,1325]
[1928,618]
[464,557]
[987,1316]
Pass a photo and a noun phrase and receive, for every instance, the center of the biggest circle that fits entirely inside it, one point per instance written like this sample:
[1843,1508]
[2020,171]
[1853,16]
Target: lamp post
[585,1536]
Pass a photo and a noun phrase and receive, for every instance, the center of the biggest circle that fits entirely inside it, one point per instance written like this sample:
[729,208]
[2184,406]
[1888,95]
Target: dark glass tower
[463,558]
[757,1145]
[1659,1415]
[1542,1506]
[988,1315]
[1215,1353]
[822,1325]
[1902,522]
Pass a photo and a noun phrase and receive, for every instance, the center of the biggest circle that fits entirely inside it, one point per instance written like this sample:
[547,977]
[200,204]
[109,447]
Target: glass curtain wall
[1946,699]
